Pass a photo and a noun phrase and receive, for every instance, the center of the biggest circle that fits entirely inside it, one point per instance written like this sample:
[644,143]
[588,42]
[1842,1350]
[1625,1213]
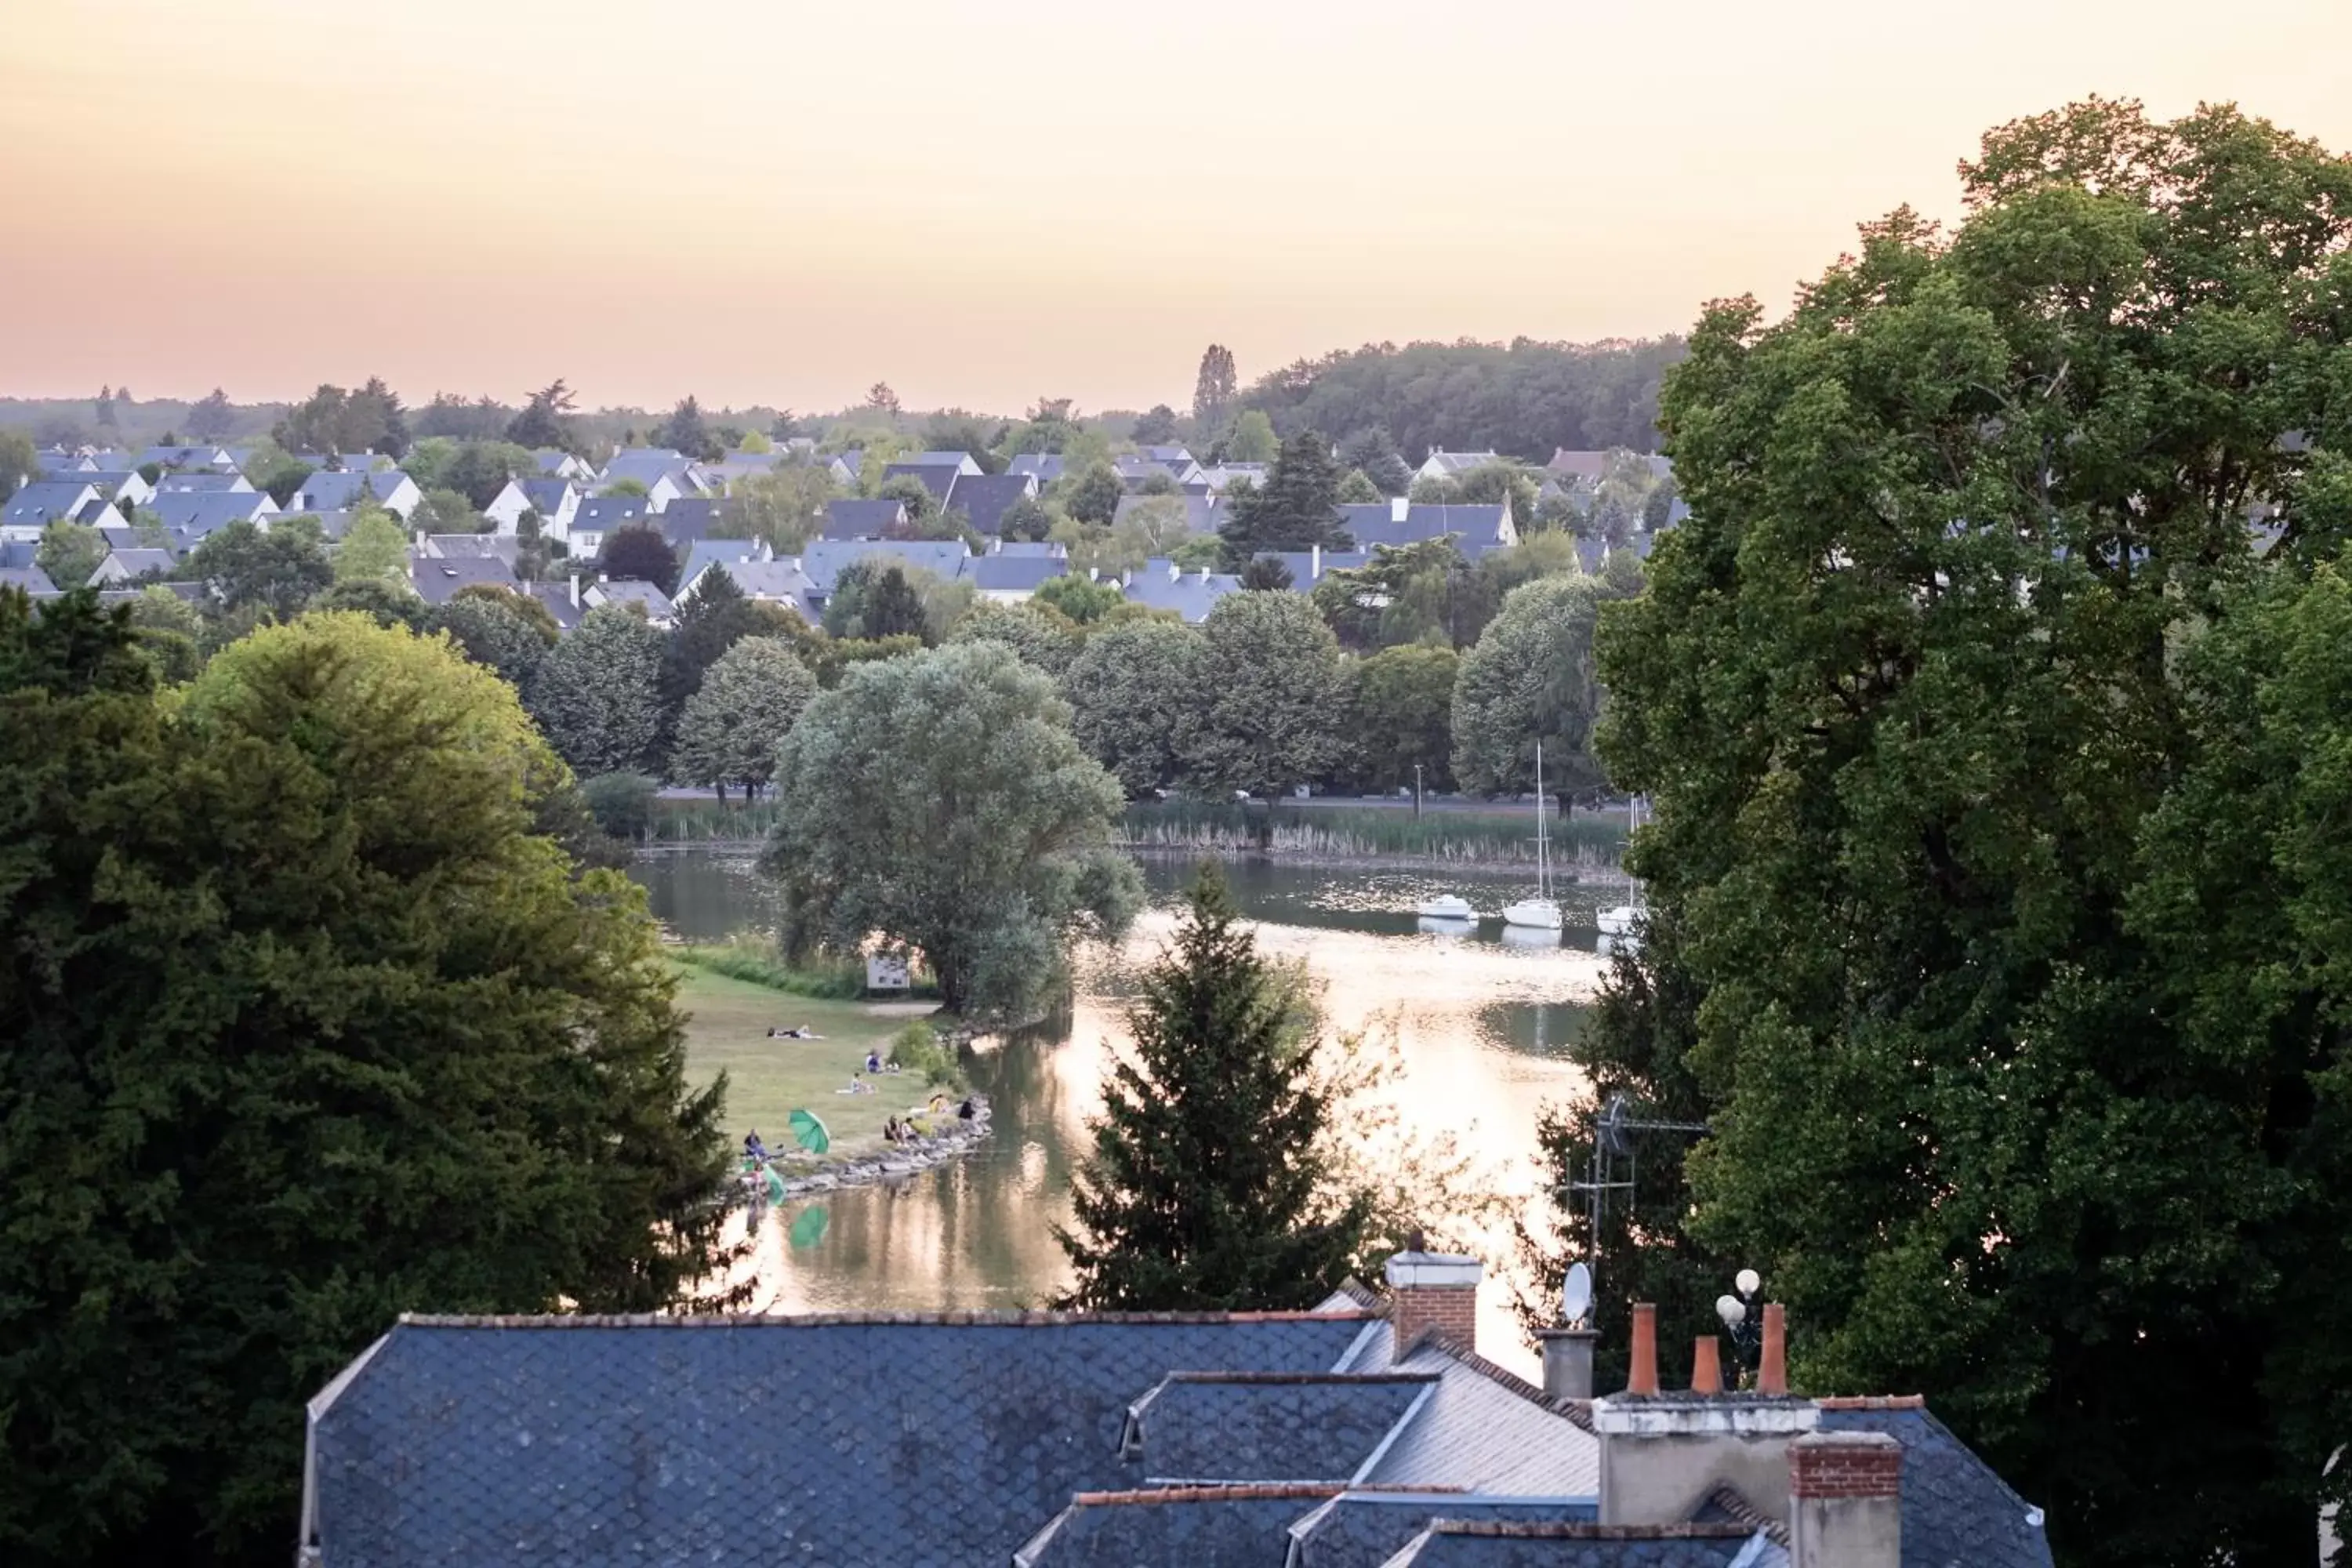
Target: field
[726,1031]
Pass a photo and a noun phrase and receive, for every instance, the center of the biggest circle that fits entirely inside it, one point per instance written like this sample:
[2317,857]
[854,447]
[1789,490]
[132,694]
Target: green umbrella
[809,1132]
[809,1228]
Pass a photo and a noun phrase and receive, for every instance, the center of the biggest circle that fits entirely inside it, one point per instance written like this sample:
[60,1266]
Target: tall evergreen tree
[211,418]
[1299,507]
[542,422]
[1214,388]
[1206,1187]
[686,431]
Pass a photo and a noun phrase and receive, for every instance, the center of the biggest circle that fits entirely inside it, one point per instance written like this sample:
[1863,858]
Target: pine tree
[1297,509]
[1206,1188]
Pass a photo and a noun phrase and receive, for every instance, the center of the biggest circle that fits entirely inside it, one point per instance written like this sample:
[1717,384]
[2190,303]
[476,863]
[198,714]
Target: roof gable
[1200,1428]
[1365,1529]
[1954,1508]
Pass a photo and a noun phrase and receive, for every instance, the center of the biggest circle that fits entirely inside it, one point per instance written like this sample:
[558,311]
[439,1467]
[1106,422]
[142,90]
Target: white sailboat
[1621,921]
[1446,907]
[1539,913]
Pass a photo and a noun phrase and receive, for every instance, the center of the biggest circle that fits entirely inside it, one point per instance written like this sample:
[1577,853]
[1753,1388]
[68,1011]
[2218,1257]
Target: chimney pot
[1642,1376]
[1434,1291]
[1567,1362]
[1773,1365]
[1707,1365]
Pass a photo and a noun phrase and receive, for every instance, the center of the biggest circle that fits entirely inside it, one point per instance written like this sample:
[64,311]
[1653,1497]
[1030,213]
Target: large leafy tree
[940,800]
[1269,696]
[686,431]
[638,553]
[307,1025]
[1041,635]
[277,571]
[1131,690]
[498,628]
[597,694]
[1206,1186]
[747,702]
[1299,507]
[1402,716]
[1530,679]
[69,552]
[875,599]
[2010,1014]
[212,416]
[374,549]
[545,421]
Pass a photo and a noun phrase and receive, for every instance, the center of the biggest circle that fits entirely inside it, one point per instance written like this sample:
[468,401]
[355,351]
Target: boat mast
[1543,868]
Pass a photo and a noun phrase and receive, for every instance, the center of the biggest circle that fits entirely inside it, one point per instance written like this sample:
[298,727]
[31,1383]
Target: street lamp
[1744,1326]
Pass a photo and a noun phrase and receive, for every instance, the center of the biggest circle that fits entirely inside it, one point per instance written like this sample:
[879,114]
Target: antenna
[1613,1167]
[1575,1295]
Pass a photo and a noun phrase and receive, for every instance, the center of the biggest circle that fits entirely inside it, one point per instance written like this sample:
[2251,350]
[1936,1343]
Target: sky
[779,202]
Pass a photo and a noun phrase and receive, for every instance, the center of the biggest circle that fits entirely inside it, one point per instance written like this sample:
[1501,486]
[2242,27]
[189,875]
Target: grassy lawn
[726,1030]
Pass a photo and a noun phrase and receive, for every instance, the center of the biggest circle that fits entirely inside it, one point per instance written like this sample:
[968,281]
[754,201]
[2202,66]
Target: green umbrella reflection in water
[809,1132]
[808,1229]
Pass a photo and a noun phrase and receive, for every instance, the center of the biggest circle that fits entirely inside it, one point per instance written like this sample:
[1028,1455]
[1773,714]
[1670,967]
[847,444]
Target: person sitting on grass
[754,1148]
[857,1085]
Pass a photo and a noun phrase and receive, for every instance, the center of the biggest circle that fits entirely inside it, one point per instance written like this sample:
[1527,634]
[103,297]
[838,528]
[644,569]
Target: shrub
[622,804]
[919,1048]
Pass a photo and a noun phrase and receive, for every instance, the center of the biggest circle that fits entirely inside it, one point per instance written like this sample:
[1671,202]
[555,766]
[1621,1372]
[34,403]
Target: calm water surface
[1481,1024]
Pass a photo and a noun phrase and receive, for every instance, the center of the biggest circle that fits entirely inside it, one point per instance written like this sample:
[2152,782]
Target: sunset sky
[777,201]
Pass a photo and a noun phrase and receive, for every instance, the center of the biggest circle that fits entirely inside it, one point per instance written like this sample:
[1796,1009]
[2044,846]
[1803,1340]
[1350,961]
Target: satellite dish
[1576,1294]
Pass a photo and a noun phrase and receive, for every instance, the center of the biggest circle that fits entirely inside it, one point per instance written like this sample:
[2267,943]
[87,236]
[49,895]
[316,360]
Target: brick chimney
[1434,1291]
[1845,1501]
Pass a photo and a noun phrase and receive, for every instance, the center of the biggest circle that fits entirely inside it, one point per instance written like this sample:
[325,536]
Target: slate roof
[646,597]
[986,497]
[601,514]
[1365,1529]
[1463,462]
[708,552]
[937,478]
[1203,1427]
[772,583]
[823,559]
[44,501]
[506,547]
[1044,467]
[119,536]
[139,561]
[857,519]
[1202,1527]
[181,456]
[1304,573]
[328,490]
[557,597]
[1957,1513]
[1504,1543]
[551,459]
[544,495]
[202,483]
[1202,513]
[110,483]
[748,1439]
[1375,522]
[996,573]
[196,516]
[31,579]
[22,552]
[1591,554]
[1486,1429]
[1193,595]
[437,579]
[647,464]
[688,518]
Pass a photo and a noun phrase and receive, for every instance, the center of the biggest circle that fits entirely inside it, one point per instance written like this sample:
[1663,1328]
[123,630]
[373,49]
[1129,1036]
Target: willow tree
[1908,691]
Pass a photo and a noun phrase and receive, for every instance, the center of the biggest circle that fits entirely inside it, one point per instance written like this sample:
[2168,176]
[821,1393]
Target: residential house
[437,578]
[851,518]
[554,464]
[561,600]
[1576,469]
[1010,575]
[1162,584]
[1175,458]
[1441,465]
[56,463]
[1202,513]
[685,521]
[1221,477]
[769,581]
[647,597]
[1042,466]
[28,579]
[737,467]
[1476,529]
[555,499]
[984,498]
[121,535]
[330,489]
[965,465]
[825,559]
[667,475]
[596,517]
[503,547]
[1366,1431]
[125,487]
[202,455]
[190,518]
[937,478]
[705,554]
[45,501]
[845,468]
[127,566]
[1136,470]
[203,482]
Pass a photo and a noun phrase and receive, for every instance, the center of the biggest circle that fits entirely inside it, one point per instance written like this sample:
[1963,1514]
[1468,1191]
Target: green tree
[957,430]
[18,462]
[1079,598]
[597,694]
[1373,454]
[1403,715]
[1913,693]
[1268,698]
[375,549]
[1297,510]
[1253,439]
[1091,494]
[307,1026]
[685,431]
[1026,521]
[1206,1186]
[1215,387]
[1356,488]
[746,704]
[875,598]
[497,628]
[1530,678]
[545,420]
[169,632]
[715,618]
[940,800]
[69,552]
[1041,635]
[783,507]
[211,418]
[638,553]
[277,571]
[911,493]
[276,475]
[480,469]
[1131,690]
[385,602]
[1156,426]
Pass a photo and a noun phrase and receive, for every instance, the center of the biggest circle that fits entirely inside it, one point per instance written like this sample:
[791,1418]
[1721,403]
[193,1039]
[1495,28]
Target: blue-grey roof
[1167,454]
[1505,1543]
[1957,1513]
[543,494]
[1202,513]
[194,516]
[438,578]
[44,501]
[647,464]
[1228,1527]
[119,536]
[646,597]
[1044,467]
[995,573]
[986,497]
[139,561]
[708,552]
[1365,1529]
[202,482]
[31,579]
[16,553]
[823,559]
[557,597]
[551,459]
[937,478]
[183,457]
[688,518]
[1305,572]
[595,1441]
[858,519]
[1376,523]
[1486,1429]
[1199,1427]
[338,491]
[1191,596]
[600,514]
[772,583]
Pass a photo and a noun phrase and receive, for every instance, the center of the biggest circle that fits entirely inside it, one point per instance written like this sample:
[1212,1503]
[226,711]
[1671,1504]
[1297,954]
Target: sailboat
[1539,913]
[1621,921]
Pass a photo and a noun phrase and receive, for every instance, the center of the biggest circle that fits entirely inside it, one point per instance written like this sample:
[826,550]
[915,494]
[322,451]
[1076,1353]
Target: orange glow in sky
[778,202]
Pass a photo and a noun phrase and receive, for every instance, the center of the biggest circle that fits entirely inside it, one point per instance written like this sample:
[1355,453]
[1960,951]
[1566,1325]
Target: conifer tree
[1297,509]
[1206,1187]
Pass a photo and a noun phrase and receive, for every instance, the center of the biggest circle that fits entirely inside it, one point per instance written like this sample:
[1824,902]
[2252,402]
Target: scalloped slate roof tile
[1957,1512]
[1200,1427]
[1365,1529]
[592,1442]
[1228,1527]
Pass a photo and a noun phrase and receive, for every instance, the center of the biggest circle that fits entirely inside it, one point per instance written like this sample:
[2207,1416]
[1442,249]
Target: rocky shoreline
[899,1160]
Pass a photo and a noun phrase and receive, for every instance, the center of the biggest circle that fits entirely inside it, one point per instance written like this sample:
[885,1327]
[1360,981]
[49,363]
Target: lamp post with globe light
[1742,1323]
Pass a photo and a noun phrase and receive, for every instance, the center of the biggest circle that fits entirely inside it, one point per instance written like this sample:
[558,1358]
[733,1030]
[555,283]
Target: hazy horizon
[776,204]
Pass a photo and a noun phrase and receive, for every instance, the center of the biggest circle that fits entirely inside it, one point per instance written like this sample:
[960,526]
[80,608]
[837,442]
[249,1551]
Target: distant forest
[1522,398]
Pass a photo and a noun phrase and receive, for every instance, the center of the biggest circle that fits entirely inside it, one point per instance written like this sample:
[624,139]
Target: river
[1480,1024]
